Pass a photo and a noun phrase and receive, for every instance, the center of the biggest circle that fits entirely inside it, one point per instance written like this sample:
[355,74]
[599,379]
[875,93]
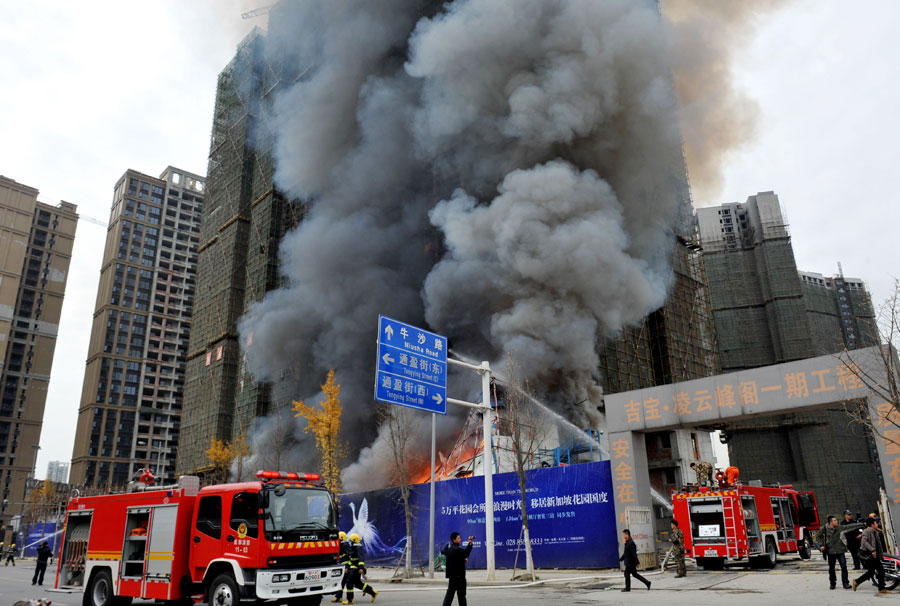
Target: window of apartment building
[43,218]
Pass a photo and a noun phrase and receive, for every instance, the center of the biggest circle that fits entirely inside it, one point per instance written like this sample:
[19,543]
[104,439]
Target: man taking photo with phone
[456,568]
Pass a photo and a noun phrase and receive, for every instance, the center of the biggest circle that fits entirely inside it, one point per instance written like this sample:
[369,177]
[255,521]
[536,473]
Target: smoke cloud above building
[507,173]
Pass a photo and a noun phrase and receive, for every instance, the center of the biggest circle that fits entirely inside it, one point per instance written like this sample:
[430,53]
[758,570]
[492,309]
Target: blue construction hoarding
[43,531]
[570,511]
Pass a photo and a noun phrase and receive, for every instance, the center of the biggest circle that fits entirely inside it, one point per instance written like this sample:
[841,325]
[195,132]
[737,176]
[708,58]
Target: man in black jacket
[44,553]
[456,568]
[852,538]
[630,559]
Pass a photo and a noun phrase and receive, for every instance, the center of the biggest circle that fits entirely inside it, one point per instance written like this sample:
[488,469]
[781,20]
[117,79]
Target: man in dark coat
[871,553]
[456,568]
[852,538]
[44,553]
[832,539]
[630,559]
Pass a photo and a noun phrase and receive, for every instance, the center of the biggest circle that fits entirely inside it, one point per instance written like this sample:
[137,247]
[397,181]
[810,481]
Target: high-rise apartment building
[246,216]
[767,312]
[36,241]
[58,471]
[130,410]
[244,219]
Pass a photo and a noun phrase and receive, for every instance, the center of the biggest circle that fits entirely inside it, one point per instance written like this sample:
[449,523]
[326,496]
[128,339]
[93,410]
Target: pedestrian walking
[44,554]
[832,541]
[870,551]
[357,569]
[852,538]
[344,560]
[704,472]
[630,559]
[456,556]
[678,550]
[10,555]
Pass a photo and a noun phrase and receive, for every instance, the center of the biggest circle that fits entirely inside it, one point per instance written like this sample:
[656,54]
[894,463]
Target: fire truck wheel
[223,591]
[100,592]
[771,553]
[805,550]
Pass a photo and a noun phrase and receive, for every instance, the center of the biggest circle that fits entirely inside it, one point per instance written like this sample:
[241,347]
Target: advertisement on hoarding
[570,513]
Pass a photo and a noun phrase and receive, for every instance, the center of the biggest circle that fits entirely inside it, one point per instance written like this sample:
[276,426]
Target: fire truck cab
[272,539]
[745,522]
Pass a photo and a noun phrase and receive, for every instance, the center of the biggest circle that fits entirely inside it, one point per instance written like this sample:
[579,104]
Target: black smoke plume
[507,173]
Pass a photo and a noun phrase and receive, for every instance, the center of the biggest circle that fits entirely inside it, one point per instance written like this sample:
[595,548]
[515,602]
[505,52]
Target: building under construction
[245,216]
[767,312]
[244,219]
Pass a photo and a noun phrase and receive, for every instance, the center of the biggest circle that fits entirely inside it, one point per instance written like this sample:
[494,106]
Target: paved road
[793,580]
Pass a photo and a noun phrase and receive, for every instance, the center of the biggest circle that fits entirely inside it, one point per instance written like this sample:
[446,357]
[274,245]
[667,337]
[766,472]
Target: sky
[92,89]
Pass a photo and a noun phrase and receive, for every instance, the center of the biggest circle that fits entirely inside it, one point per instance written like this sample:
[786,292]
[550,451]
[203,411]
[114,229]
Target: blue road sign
[412,367]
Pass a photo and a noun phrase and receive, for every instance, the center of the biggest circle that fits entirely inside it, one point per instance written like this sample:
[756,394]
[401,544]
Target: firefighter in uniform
[357,569]
[11,555]
[678,550]
[345,562]
[703,471]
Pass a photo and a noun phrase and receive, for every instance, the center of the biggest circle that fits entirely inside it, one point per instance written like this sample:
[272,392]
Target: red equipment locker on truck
[738,522]
[275,538]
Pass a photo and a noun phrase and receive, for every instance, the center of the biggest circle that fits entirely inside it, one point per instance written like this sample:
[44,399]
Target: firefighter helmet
[342,535]
[354,538]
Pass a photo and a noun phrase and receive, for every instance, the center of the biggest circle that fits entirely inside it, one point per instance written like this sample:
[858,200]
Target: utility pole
[487,455]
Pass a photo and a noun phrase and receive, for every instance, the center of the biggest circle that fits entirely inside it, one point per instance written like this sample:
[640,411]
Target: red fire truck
[745,522]
[272,539]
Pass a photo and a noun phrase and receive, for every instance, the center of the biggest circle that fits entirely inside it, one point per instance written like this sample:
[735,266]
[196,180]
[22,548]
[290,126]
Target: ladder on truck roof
[729,504]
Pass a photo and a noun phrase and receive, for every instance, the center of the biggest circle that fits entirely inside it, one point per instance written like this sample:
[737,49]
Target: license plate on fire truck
[710,553]
[312,576]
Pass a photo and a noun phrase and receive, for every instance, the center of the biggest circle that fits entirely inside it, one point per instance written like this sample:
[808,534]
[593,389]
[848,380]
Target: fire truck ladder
[731,517]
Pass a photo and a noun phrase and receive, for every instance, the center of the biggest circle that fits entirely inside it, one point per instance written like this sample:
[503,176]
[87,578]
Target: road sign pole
[431,554]
[488,454]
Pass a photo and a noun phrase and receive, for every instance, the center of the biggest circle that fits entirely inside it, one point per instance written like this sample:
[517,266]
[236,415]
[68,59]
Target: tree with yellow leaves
[222,455]
[41,503]
[325,424]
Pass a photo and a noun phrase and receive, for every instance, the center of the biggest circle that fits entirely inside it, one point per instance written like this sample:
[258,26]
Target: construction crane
[256,12]
[93,220]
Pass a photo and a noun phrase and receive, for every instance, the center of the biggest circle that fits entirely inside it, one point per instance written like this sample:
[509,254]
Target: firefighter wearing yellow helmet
[344,560]
[357,569]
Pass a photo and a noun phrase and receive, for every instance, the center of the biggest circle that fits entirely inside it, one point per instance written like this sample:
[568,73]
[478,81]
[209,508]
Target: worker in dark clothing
[630,559]
[456,568]
[852,538]
[10,555]
[44,553]
[344,559]
[871,553]
[357,569]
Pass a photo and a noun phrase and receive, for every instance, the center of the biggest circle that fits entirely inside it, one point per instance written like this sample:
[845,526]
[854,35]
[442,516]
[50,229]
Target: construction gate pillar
[857,376]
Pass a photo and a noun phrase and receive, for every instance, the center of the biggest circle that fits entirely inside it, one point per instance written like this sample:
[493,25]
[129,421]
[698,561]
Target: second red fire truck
[745,522]
[272,539]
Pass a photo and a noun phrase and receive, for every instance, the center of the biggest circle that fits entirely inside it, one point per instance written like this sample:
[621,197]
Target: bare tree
[399,424]
[883,382]
[527,427]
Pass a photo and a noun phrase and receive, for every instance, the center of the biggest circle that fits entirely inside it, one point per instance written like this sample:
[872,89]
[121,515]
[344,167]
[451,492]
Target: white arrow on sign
[387,358]
[389,331]
[437,398]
